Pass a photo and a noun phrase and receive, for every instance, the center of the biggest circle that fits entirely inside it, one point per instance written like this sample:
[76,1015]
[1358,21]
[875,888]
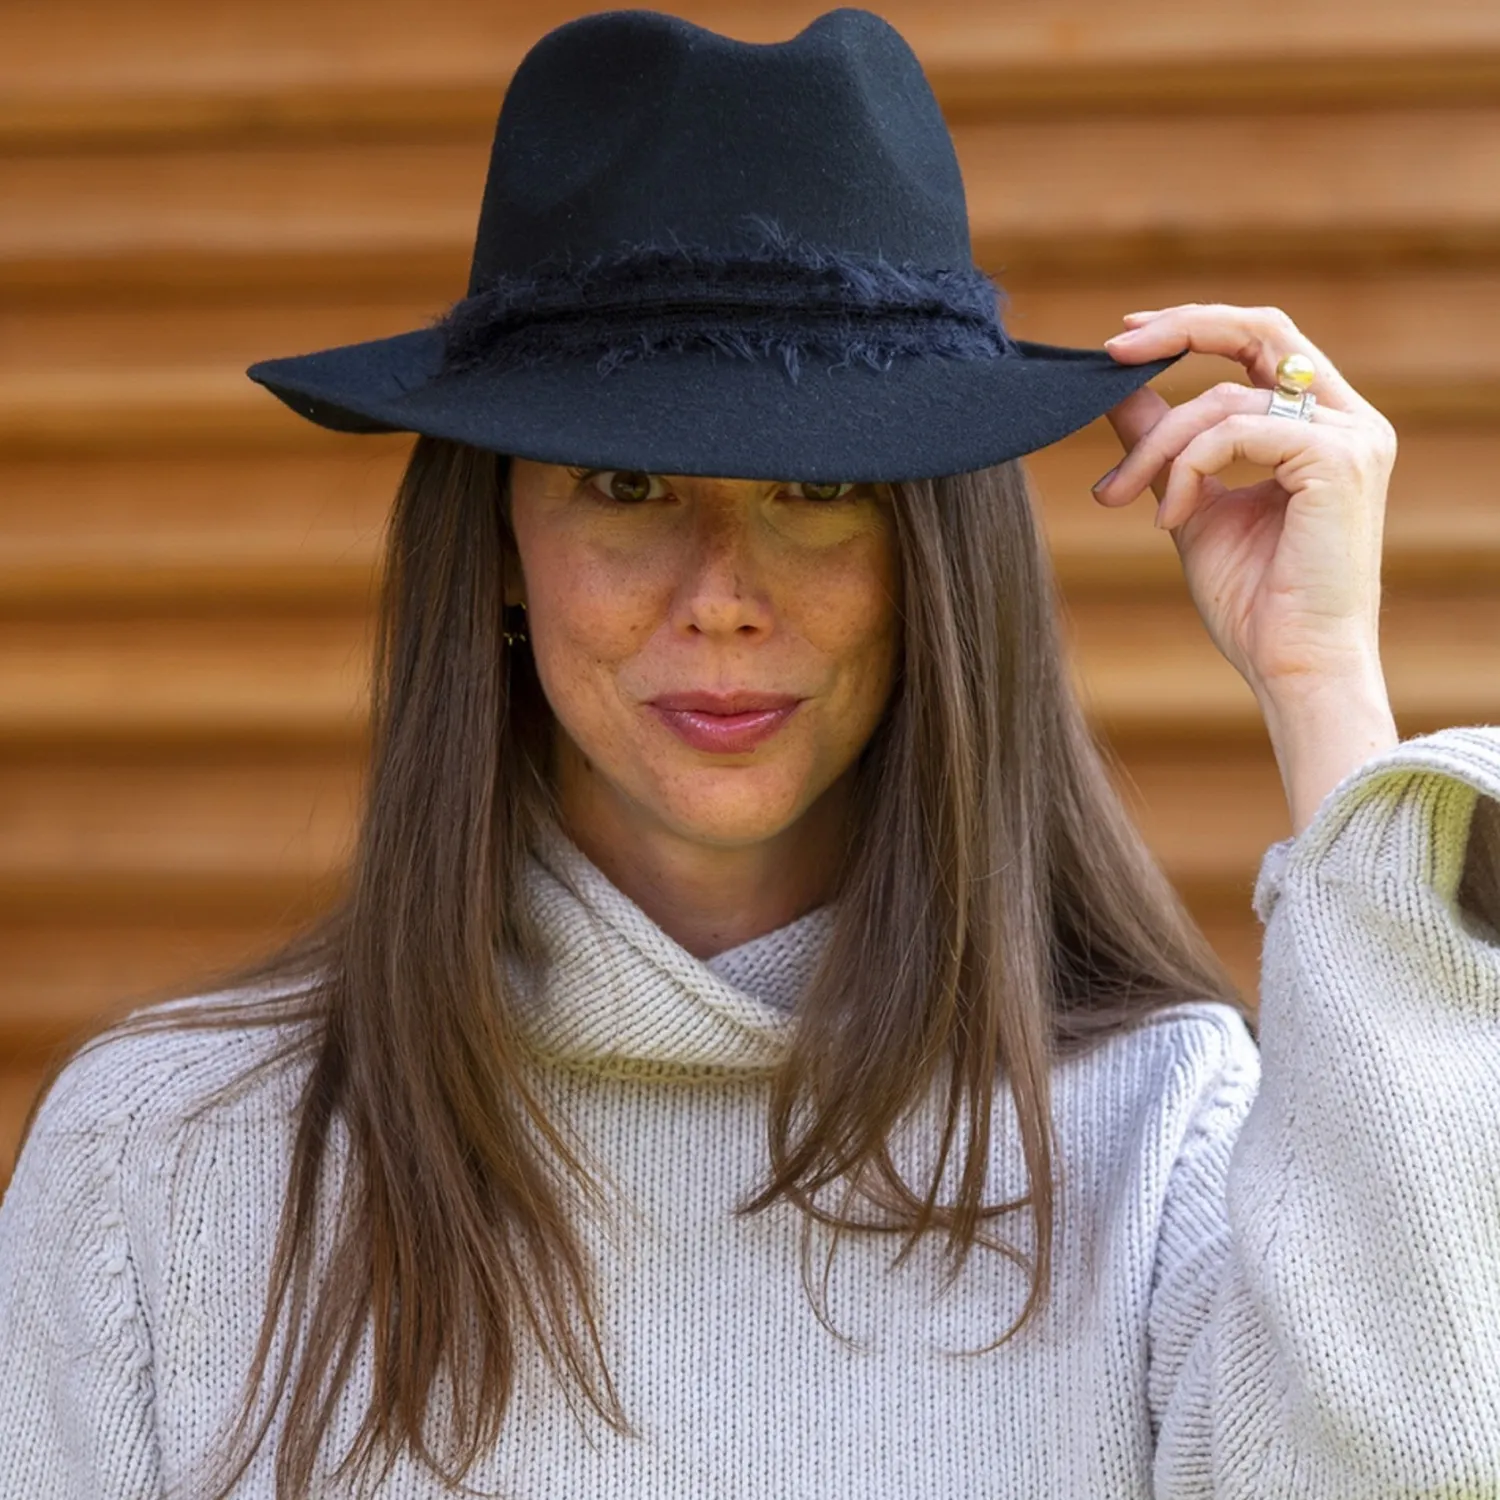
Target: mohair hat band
[703,256]
[780,297]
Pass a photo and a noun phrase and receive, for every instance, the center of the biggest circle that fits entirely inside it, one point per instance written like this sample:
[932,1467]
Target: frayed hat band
[788,300]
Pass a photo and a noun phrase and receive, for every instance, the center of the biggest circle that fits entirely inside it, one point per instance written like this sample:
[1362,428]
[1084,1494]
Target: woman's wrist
[1325,730]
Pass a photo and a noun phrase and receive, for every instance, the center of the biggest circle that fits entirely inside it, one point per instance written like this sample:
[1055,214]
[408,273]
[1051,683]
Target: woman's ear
[515,584]
[515,580]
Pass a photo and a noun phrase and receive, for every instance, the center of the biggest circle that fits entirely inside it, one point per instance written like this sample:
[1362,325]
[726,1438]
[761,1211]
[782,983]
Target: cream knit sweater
[1278,1283]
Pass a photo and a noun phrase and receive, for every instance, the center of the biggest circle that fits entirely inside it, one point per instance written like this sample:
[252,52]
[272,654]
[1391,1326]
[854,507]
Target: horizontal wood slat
[316,215]
[156,532]
[1370,186]
[62,977]
[106,338]
[197,680]
[269,819]
[282,500]
[1145,667]
[91,70]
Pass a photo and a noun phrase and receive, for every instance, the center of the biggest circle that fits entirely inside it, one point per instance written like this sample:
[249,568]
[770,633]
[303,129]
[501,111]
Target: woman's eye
[628,486]
[631,486]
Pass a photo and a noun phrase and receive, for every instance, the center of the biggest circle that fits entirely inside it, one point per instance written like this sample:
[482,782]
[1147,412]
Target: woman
[739,887]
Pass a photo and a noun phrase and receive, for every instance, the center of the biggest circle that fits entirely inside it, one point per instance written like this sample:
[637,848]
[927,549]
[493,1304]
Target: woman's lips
[691,717]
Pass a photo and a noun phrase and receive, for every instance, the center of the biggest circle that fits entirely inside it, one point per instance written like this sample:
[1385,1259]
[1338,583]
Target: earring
[514,637]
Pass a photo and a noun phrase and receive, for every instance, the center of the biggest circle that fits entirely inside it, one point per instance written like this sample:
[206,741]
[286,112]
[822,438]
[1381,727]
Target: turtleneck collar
[620,997]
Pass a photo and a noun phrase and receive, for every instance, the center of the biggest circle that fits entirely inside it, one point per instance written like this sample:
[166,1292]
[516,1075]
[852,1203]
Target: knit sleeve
[1325,1320]
[76,1378]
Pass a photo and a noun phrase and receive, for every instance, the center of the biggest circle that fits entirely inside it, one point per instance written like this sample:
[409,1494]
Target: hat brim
[706,412]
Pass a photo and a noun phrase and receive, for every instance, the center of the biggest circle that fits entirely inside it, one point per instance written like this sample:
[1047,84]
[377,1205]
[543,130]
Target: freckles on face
[639,586]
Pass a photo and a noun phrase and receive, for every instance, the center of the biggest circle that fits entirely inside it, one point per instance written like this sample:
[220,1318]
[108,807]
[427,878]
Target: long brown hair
[998,911]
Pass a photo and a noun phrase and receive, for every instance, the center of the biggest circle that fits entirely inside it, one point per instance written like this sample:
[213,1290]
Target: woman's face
[644,590]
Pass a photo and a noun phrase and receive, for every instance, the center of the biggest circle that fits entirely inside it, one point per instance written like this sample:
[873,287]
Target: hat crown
[697,255]
[634,127]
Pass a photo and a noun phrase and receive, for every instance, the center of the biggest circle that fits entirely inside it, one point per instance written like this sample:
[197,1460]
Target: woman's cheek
[583,646]
[846,603]
[861,626]
[605,611]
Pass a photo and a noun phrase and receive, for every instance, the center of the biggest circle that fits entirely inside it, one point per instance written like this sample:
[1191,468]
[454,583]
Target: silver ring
[1299,408]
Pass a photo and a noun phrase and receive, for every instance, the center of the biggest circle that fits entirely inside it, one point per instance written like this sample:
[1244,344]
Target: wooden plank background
[186,569]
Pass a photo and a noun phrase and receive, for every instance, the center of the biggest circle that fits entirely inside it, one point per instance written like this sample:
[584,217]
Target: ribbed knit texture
[1278,1273]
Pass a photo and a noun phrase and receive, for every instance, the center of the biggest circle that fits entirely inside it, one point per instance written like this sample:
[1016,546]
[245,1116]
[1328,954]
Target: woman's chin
[732,808]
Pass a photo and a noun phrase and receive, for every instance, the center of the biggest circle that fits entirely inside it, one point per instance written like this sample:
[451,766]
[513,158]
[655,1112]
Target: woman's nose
[722,590]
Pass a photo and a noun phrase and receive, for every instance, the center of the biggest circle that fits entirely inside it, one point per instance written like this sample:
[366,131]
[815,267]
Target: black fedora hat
[697,255]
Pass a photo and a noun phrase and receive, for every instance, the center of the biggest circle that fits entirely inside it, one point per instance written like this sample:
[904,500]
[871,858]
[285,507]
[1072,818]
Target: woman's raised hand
[1285,572]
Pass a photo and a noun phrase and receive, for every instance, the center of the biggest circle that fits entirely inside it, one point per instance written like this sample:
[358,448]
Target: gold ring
[1292,398]
[1295,374]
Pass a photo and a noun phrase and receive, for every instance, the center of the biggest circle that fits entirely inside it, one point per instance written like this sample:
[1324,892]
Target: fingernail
[1159,509]
[1151,313]
[1100,483]
[1120,338]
